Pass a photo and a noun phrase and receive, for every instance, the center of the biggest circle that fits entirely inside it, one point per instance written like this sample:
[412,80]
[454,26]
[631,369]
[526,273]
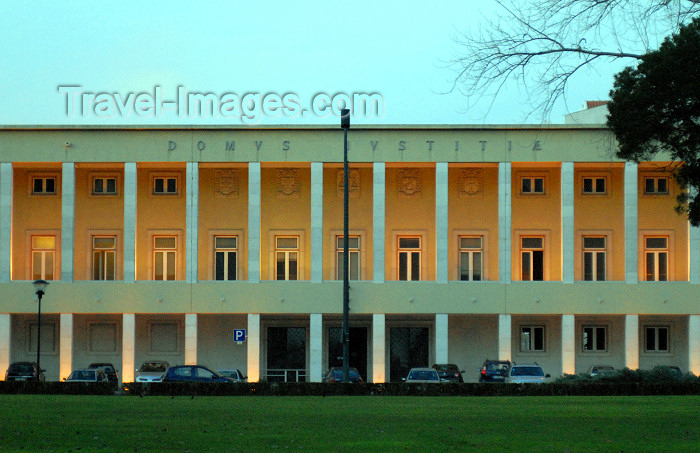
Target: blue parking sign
[239,335]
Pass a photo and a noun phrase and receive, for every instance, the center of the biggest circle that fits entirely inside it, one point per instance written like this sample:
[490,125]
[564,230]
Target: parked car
[600,370]
[24,371]
[337,374]
[494,370]
[152,371]
[87,375]
[422,376]
[236,375]
[193,373]
[109,370]
[449,372]
[530,373]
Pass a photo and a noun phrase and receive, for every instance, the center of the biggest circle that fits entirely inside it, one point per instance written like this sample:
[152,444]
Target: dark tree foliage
[655,112]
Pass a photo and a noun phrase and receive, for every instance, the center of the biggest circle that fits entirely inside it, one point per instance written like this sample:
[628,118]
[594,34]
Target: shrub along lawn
[343,423]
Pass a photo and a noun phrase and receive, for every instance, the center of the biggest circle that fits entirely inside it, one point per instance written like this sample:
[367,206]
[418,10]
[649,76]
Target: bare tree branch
[541,44]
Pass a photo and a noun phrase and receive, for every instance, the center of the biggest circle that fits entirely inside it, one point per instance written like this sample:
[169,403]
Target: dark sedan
[193,373]
[24,371]
[494,371]
[449,372]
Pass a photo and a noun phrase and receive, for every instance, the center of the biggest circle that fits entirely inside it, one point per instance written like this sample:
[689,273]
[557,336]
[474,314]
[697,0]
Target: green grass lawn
[377,424]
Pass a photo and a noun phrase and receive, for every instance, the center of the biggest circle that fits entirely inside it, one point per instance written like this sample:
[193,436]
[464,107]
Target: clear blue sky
[398,50]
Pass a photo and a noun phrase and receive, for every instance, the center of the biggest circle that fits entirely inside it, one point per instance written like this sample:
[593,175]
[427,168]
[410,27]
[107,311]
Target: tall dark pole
[39,294]
[345,124]
[39,288]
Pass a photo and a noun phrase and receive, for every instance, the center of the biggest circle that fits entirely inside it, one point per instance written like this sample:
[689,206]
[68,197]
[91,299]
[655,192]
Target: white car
[236,375]
[87,375]
[152,371]
[530,373]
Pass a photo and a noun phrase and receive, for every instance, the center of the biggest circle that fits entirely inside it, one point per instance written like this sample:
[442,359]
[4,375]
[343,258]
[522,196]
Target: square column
[316,222]
[694,344]
[568,344]
[632,342]
[316,347]
[504,224]
[129,270]
[441,338]
[378,348]
[5,221]
[694,254]
[567,221]
[192,222]
[379,222]
[65,346]
[67,221]
[253,224]
[504,334]
[128,347]
[441,223]
[631,224]
[5,340]
[190,338]
[253,342]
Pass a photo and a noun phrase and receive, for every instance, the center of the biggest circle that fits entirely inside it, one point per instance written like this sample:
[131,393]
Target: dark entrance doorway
[408,348]
[358,349]
[286,354]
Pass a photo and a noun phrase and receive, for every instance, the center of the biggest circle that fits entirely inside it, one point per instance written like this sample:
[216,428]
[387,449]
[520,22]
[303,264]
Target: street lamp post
[345,125]
[40,289]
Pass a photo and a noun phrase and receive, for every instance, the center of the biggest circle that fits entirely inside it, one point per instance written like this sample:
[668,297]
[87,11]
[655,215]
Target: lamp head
[40,286]
[345,119]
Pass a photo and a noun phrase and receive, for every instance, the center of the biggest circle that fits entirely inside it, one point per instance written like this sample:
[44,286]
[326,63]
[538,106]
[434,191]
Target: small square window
[532,338]
[165,185]
[532,185]
[594,339]
[44,185]
[102,185]
[656,339]
[594,185]
[656,185]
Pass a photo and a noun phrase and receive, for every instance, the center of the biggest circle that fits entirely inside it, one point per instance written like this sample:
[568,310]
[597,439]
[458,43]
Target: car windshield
[527,371]
[496,366]
[23,367]
[83,375]
[152,368]
[423,376]
[338,375]
[446,368]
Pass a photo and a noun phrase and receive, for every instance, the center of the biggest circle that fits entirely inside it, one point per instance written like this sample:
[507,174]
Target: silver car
[423,376]
[152,371]
[530,373]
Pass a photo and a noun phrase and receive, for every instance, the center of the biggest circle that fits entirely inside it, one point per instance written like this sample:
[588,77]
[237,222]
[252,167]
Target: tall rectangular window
[409,258]
[226,257]
[354,253]
[104,251]
[656,258]
[594,339]
[470,258]
[594,258]
[656,339]
[164,257]
[43,185]
[532,258]
[43,257]
[531,338]
[287,257]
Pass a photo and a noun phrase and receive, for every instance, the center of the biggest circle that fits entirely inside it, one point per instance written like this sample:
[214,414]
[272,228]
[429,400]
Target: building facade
[534,244]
